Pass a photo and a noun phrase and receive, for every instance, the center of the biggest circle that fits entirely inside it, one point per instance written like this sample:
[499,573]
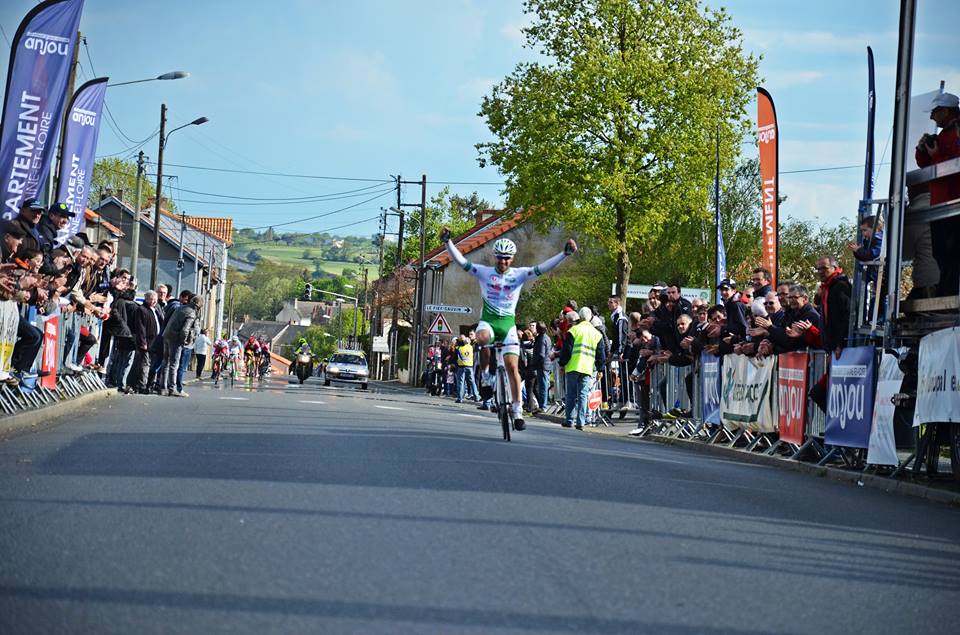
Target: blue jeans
[185,356]
[578,387]
[541,387]
[465,382]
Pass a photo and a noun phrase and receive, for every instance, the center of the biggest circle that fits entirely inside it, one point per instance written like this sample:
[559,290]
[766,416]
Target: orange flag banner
[769,178]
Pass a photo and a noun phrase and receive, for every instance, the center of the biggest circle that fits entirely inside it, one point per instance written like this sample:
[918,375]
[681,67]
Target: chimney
[484,215]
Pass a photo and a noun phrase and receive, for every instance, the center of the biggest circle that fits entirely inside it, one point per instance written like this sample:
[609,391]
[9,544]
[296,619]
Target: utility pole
[398,271]
[421,278]
[183,227]
[135,230]
[159,195]
[230,323]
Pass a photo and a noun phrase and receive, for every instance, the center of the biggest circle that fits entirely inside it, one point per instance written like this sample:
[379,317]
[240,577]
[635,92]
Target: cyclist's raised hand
[445,234]
[570,248]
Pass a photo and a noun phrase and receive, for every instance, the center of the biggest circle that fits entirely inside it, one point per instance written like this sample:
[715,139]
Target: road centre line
[236,398]
[389,408]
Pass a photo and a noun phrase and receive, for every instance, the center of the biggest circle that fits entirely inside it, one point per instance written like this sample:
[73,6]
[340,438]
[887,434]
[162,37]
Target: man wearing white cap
[945,112]
[945,233]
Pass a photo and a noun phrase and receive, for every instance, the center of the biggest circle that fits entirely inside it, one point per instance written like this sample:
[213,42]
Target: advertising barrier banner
[792,395]
[938,378]
[710,387]
[79,152]
[748,397]
[850,403]
[883,447]
[767,137]
[40,59]
[48,363]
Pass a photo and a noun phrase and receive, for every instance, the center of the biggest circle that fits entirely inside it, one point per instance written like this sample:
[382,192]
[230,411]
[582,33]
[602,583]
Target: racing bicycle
[502,394]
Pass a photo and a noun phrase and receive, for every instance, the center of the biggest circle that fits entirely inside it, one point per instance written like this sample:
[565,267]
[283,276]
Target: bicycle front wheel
[504,412]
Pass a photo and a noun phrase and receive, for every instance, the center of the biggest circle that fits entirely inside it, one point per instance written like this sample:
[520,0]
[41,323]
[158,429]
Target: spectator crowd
[141,347]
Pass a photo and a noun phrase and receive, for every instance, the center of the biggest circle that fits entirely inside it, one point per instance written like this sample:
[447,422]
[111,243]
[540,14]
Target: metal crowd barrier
[668,393]
[16,399]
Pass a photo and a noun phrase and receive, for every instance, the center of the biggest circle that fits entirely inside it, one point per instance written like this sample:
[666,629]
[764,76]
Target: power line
[336,211]
[285,174]
[319,231]
[280,202]
[299,199]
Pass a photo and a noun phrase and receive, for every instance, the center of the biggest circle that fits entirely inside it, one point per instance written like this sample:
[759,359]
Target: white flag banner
[748,393]
[938,378]
[883,449]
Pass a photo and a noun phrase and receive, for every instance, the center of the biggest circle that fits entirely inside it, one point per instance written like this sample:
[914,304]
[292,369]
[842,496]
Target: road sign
[440,326]
[380,344]
[447,308]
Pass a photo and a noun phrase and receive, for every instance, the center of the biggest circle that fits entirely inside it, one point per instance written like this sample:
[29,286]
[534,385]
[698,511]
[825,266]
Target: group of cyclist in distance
[234,358]
[500,287]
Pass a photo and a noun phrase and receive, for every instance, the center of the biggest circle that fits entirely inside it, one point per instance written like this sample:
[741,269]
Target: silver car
[347,367]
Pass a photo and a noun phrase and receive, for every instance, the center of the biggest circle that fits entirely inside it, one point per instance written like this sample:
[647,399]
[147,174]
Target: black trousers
[201,361]
[29,341]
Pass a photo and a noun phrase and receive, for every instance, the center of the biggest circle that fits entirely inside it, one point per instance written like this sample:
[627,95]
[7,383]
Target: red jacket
[948,147]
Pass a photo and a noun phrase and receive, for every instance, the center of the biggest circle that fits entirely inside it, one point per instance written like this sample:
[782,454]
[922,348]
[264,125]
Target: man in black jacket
[541,352]
[147,328]
[734,308]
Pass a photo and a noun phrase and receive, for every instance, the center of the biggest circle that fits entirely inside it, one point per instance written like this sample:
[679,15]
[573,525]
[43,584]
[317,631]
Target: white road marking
[319,402]
[389,408]
[462,414]
[236,398]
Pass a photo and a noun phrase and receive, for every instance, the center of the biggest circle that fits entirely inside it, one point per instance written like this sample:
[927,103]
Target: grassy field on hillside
[293,256]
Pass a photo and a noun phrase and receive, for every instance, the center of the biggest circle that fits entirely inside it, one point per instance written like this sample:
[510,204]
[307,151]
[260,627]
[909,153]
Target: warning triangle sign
[440,326]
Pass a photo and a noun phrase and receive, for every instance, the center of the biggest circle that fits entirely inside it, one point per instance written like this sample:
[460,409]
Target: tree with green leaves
[120,177]
[613,133]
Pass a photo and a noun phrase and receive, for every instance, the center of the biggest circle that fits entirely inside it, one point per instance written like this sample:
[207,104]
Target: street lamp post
[135,233]
[159,194]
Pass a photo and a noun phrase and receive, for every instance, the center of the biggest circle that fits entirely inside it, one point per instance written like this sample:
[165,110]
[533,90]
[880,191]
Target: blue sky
[367,89]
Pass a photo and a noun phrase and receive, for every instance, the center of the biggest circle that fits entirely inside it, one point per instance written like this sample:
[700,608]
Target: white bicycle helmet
[504,247]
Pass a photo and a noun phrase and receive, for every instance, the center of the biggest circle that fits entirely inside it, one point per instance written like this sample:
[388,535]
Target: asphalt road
[310,509]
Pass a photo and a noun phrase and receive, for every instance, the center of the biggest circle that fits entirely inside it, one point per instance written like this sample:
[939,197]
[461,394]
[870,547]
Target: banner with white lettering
[792,397]
[850,403]
[710,386]
[938,378]
[883,446]
[767,139]
[748,396]
[79,152]
[39,70]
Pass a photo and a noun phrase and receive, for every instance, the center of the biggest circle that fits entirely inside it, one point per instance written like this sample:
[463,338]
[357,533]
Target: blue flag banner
[850,404]
[37,77]
[79,151]
[710,397]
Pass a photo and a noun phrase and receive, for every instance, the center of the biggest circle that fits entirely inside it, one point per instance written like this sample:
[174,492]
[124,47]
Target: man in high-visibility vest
[582,356]
[465,368]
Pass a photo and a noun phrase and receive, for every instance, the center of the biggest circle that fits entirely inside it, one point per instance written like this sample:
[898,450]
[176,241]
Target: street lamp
[159,193]
[164,77]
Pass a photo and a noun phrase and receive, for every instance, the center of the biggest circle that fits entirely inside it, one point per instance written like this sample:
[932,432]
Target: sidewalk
[947,492]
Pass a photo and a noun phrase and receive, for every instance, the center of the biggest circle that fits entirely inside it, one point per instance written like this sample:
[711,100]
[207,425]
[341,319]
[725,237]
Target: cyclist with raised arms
[500,290]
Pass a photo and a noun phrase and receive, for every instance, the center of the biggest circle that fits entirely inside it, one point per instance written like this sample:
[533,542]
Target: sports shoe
[518,424]
[181,393]
[636,432]
[483,406]
[579,426]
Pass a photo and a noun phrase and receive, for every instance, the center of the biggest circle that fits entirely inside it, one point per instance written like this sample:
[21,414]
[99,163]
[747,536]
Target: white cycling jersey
[501,291]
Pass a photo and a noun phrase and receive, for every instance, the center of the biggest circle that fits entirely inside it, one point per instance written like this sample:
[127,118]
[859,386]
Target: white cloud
[513,31]
[826,203]
[786,79]
[473,89]
[360,75]
[811,41]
